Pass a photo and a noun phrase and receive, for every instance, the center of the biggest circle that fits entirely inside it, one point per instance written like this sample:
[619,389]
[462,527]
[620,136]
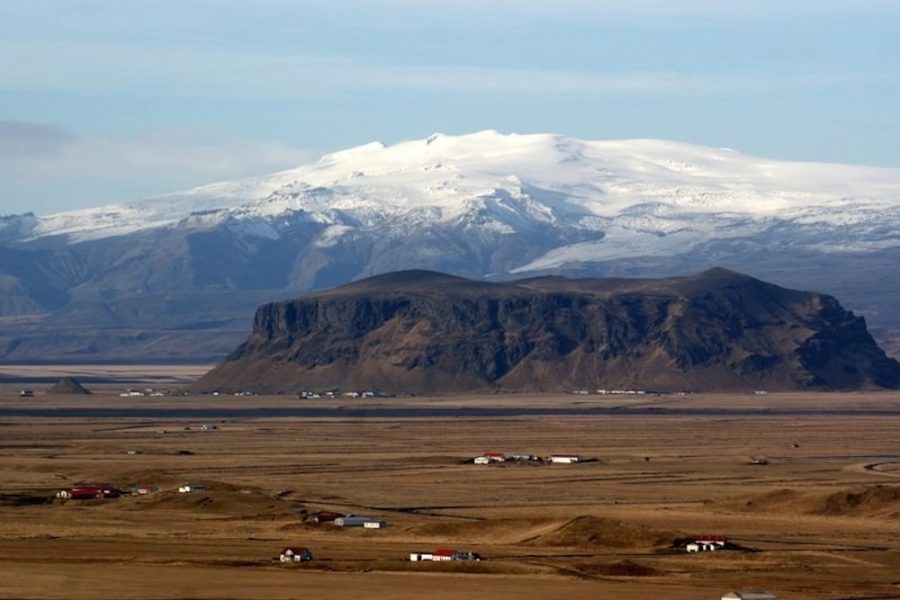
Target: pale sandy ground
[173,373]
[594,530]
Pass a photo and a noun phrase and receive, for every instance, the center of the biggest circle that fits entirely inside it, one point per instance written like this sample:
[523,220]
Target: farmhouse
[564,459]
[750,595]
[295,555]
[707,543]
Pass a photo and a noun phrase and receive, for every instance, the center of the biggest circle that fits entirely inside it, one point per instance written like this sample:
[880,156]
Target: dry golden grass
[817,522]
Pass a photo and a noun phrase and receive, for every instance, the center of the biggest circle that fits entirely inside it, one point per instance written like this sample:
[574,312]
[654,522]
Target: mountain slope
[421,332]
[484,205]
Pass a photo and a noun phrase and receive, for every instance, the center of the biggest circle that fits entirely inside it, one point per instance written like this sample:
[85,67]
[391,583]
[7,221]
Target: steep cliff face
[423,332]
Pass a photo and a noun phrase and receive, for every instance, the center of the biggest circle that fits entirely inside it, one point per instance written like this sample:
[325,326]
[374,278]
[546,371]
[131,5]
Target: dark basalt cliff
[424,332]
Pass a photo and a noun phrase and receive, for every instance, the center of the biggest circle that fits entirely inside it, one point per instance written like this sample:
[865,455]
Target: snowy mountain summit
[607,199]
[480,205]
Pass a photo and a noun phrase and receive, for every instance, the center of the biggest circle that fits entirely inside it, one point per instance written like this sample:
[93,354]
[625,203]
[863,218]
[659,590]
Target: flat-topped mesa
[426,332]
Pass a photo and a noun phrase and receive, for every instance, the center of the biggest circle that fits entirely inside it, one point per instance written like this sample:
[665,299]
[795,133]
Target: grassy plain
[820,520]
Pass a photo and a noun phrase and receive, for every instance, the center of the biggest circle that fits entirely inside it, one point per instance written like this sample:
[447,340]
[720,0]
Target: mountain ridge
[155,274]
[418,332]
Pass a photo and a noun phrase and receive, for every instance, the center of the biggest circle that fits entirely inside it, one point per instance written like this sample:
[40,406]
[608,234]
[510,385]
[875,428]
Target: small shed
[750,595]
[375,524]
[293,554]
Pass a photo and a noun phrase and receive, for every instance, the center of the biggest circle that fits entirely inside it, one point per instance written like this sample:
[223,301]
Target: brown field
[820,520]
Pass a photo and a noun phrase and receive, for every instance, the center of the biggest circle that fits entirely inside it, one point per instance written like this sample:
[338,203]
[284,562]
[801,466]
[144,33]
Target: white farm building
[190,488]
[295,555]
[564,459]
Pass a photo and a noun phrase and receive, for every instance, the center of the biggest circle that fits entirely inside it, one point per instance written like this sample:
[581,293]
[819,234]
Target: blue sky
[104,101]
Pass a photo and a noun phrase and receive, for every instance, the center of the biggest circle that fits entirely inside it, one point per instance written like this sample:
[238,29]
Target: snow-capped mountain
[503,182]
[479,205]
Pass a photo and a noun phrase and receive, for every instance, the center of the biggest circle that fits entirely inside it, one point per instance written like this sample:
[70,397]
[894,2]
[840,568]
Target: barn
[366,522]
[443,554]
[293,554]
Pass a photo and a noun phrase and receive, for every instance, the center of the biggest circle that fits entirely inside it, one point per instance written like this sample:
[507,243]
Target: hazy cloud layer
[22,140]
[46,164]
[251,75]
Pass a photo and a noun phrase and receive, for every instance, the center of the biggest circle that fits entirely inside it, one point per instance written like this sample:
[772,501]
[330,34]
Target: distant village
[298,554]
[301,554]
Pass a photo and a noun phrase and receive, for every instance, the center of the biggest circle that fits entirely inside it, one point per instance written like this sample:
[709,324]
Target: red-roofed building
[490,457]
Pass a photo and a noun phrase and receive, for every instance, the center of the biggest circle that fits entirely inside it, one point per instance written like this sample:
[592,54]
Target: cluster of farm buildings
[603,391]
[96,491]
[309,395]
[488,458]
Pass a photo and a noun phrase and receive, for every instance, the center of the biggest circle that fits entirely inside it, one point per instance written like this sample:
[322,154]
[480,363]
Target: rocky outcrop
[68,386]
[425,332]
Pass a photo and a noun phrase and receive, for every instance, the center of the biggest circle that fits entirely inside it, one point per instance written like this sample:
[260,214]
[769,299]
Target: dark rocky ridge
[68,386]
[425,332]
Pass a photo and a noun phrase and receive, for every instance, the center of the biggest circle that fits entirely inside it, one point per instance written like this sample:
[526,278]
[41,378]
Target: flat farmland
[819,519]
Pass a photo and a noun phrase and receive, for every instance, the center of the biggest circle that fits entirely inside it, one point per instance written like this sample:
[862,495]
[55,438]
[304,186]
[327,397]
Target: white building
[444,554]
[490,457]
[564,459]
[421,556]
[189,488]
[375,524]
[295,555]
